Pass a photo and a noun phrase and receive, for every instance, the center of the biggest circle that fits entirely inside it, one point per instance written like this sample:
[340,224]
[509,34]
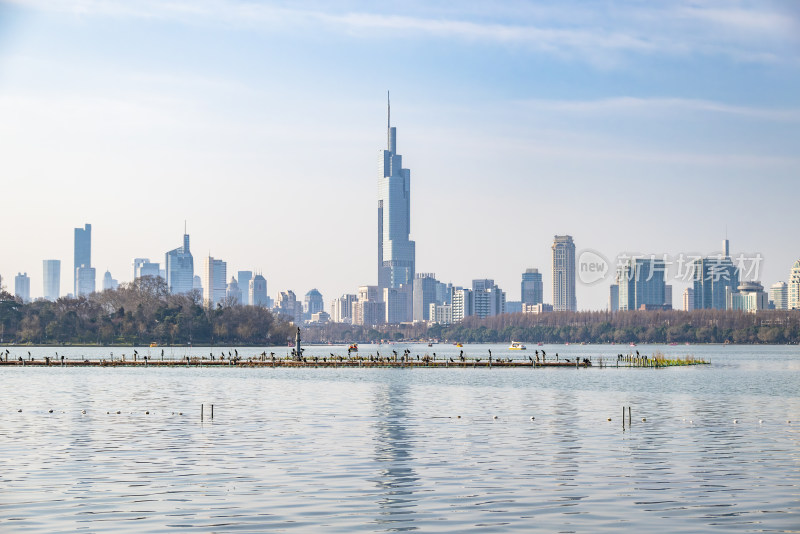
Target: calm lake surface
[344,450]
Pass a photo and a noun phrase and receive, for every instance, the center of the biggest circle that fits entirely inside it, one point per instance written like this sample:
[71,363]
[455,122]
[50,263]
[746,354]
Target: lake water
[343,450]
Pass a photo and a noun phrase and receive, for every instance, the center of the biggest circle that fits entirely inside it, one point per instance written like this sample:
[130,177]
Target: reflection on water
[345,450]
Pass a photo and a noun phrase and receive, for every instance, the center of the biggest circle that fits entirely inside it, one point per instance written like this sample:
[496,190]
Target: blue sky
[633,126]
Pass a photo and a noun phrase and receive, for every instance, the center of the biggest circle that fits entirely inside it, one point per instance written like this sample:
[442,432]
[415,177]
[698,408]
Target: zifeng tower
[396,253]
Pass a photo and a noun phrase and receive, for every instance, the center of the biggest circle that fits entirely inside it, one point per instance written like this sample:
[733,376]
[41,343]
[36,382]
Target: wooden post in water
[201,412]
[212,411]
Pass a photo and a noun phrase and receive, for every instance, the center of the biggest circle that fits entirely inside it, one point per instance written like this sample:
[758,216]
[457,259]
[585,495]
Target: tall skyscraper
[51,279]
[714,277]
[179,267]
[531,289]
[244,277]
[793,299]
[564,274]
[779,295]
[688,299]
[613,297]
[396,253]
[85,281]
[83,254]
[144,267]
[258,292]
[233,292]
[109,282]
[487,299]
[215,282]
[22,287]
[424,293]
[313,303]
[641,284]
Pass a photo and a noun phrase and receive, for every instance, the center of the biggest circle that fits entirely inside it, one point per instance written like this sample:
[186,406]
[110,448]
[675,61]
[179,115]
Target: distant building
[713,278]
[513,306]
[537,308]
[179,269]
[564,274]
[85,281]
[462,303]
[197,284]
[440,314]
[668,296]
[425,289]
[82,255]
[215,282]
[342,308]
[749,297]
[108,282]
[321,317]
[144,267]
[313,303]
[52,279]
[288,306]
[531,288]
[258,292]
[22,287]
[233,293]
[641,284]
[369,309]
[398,302]
[244,277]
[793,298]
[487,299]
[688,299]
[613,297]
[779,295]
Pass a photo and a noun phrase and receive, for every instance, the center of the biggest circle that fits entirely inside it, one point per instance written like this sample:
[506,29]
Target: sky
[637,127]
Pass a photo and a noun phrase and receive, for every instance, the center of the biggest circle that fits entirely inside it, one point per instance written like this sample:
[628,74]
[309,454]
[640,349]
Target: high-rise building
[714,277]
[108,282]
[85,281]
[564,274]
[51,286]
[461,304]
[244,277]
[233,293]
[22,287]
[425,289]
[312,303]
[749,297]
[531,288]
[793,298]
[369,309]
[487,299]
[613,297]
[668,296]
[179,268]
[144,267]
[441,314]
[398,301]
[258,292]
[641,284]
[288,306]
[342,308]
[215,281]
[396,253]
[83,254]
[779,295]
[688,299]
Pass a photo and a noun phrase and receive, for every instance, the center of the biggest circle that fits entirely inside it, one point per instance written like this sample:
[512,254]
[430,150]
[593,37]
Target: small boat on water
[153,344]
[353,347]
[516,345]
[459,345]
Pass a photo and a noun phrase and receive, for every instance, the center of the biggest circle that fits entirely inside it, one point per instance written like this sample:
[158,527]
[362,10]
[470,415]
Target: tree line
[138,313]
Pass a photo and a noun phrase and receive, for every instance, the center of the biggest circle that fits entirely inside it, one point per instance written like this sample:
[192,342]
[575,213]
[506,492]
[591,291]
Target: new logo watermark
[592,267]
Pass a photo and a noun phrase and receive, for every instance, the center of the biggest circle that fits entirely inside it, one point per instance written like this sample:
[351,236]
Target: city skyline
[505,105]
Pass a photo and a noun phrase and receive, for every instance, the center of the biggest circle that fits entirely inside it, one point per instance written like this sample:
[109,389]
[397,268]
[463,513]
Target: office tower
[83,254]
[369,309]
[313,303]
[441,314]
[51,279]
[793,298]
[258,292]
[641,284]
[244,277]
[179,268]
[22,287]
[215,276]
[613,298]
[144,267]
[233,293]
[532,289]
[342,308]
[564,274]
[713,278]
[461,304]
[668,296]
[424,293]
[288,306]
[749,297]
[688,299]
[108,282]
[398,301]
[488,299]
[779,295]
[396,253]
[85,281]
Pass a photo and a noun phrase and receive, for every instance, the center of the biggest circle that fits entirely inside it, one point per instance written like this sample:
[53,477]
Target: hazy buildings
[424,294]
[688,299]
[668,296]
[396,253]
[398,302]
[244,277]
[342,308]
[564,274]
[233,293]
[441,314]
[779,295]
[793,298]
[713,278]
[258,292]
[749,297]
[109,283]
[613,297]
[22,287]
[531,288]
[215,276]
[312,303]
[287,305]
[144,267]
[51,286]
[179,268]
[462,304]
[369,309]
[488,299]
[85,281]
[641,284]
[197,284]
